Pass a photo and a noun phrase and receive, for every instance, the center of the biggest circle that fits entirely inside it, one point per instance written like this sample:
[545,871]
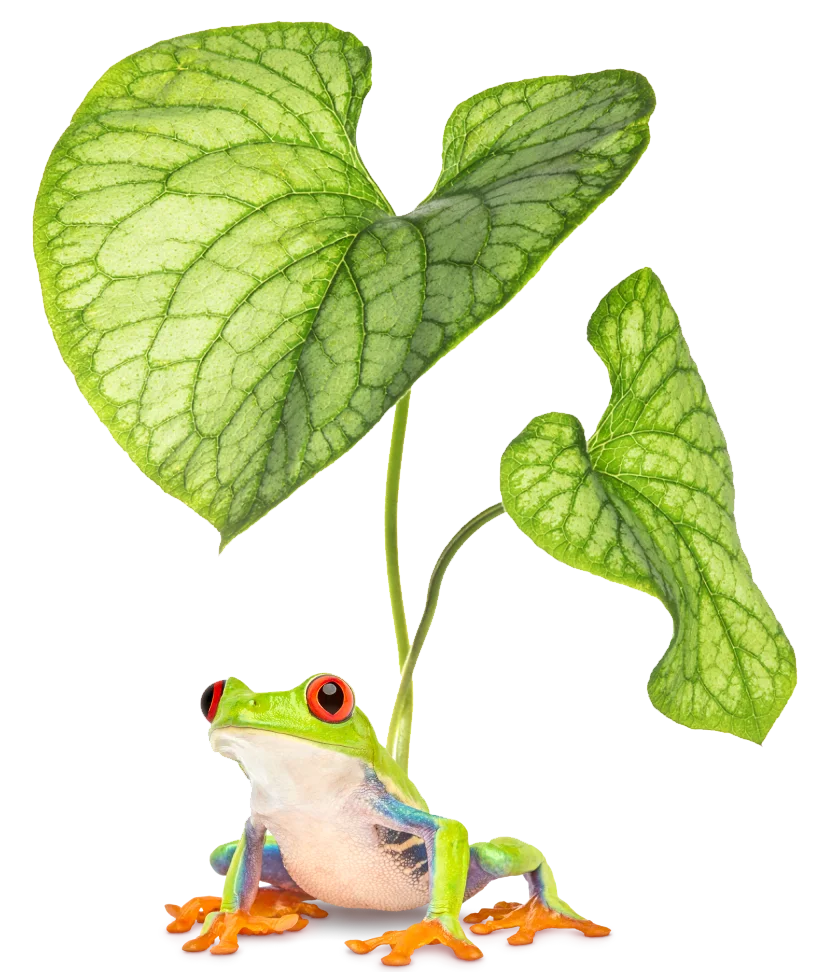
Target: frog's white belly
[313,801]
[346,866]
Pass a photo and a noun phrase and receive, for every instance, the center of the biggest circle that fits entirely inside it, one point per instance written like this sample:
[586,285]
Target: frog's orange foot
[194,910]
[532,917]
[224,927]
[404,943]
[272,903]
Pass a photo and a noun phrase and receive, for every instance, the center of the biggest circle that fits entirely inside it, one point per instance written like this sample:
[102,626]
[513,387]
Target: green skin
[347,825]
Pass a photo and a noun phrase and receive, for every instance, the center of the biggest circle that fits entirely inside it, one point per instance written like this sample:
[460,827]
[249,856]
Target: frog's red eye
[329,698]
[210,699]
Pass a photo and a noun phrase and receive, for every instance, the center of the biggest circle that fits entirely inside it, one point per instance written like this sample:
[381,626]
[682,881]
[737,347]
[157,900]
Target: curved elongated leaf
[231,289]
[648,502]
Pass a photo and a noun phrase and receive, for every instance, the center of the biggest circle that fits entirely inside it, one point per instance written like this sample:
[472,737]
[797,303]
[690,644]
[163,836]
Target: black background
[530,714]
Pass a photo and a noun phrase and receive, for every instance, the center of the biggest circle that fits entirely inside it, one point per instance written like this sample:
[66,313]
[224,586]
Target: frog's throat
[288,771]
[222,737]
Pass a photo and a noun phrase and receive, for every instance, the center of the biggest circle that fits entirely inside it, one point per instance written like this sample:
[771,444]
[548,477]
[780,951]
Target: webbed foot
[532,917]
[223,927]
[194,910]
[273,903]
[427,932]
[269,903]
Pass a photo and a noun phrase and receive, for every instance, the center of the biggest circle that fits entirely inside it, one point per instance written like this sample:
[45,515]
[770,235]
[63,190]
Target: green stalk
[400,726]
[390,524]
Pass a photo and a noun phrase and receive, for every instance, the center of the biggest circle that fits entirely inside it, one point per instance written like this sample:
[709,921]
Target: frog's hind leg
[282,897]
[272,868]
[504,857]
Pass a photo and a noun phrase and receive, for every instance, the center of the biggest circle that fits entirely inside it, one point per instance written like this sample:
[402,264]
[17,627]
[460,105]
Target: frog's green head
[320,710]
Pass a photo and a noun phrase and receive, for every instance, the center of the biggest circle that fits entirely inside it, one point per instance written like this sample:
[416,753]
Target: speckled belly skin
[361,864]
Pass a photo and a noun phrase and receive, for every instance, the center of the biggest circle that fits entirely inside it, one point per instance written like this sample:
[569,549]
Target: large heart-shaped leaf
[648,502]
[231,289]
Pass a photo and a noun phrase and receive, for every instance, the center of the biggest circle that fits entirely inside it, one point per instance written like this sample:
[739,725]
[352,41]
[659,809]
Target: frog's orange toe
[361,948]
[194,910]
[272,903]
[222,931]
[501,909]
[403,943]
[225,948]
[530,918]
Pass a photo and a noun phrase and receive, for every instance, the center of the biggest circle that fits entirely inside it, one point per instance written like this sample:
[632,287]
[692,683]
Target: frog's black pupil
[331,697]
[206,700]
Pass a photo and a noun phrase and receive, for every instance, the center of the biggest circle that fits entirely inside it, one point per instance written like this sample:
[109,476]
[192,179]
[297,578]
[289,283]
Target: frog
[334,818]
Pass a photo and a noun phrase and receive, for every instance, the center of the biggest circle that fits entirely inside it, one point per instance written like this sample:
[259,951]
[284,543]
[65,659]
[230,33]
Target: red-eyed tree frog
[334,817]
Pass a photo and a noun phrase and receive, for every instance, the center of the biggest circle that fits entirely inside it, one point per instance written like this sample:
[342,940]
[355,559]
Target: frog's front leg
[282,897]
[236,915]
[448,856]
[504,857]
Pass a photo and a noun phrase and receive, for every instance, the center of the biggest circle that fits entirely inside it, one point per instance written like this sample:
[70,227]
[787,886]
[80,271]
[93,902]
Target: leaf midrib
[219,336]
[297,372]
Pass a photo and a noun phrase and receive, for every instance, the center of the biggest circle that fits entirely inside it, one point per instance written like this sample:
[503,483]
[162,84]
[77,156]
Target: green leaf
[230,287]
[648,502]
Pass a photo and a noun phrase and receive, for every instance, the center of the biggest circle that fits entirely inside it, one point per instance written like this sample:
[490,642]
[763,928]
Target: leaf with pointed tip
[231,289]
[648,502]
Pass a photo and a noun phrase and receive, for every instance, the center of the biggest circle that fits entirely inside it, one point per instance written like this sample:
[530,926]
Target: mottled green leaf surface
[648,502]
[231,289]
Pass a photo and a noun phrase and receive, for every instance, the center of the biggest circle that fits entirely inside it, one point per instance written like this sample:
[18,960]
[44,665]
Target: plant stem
[390,522]
[401,724]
